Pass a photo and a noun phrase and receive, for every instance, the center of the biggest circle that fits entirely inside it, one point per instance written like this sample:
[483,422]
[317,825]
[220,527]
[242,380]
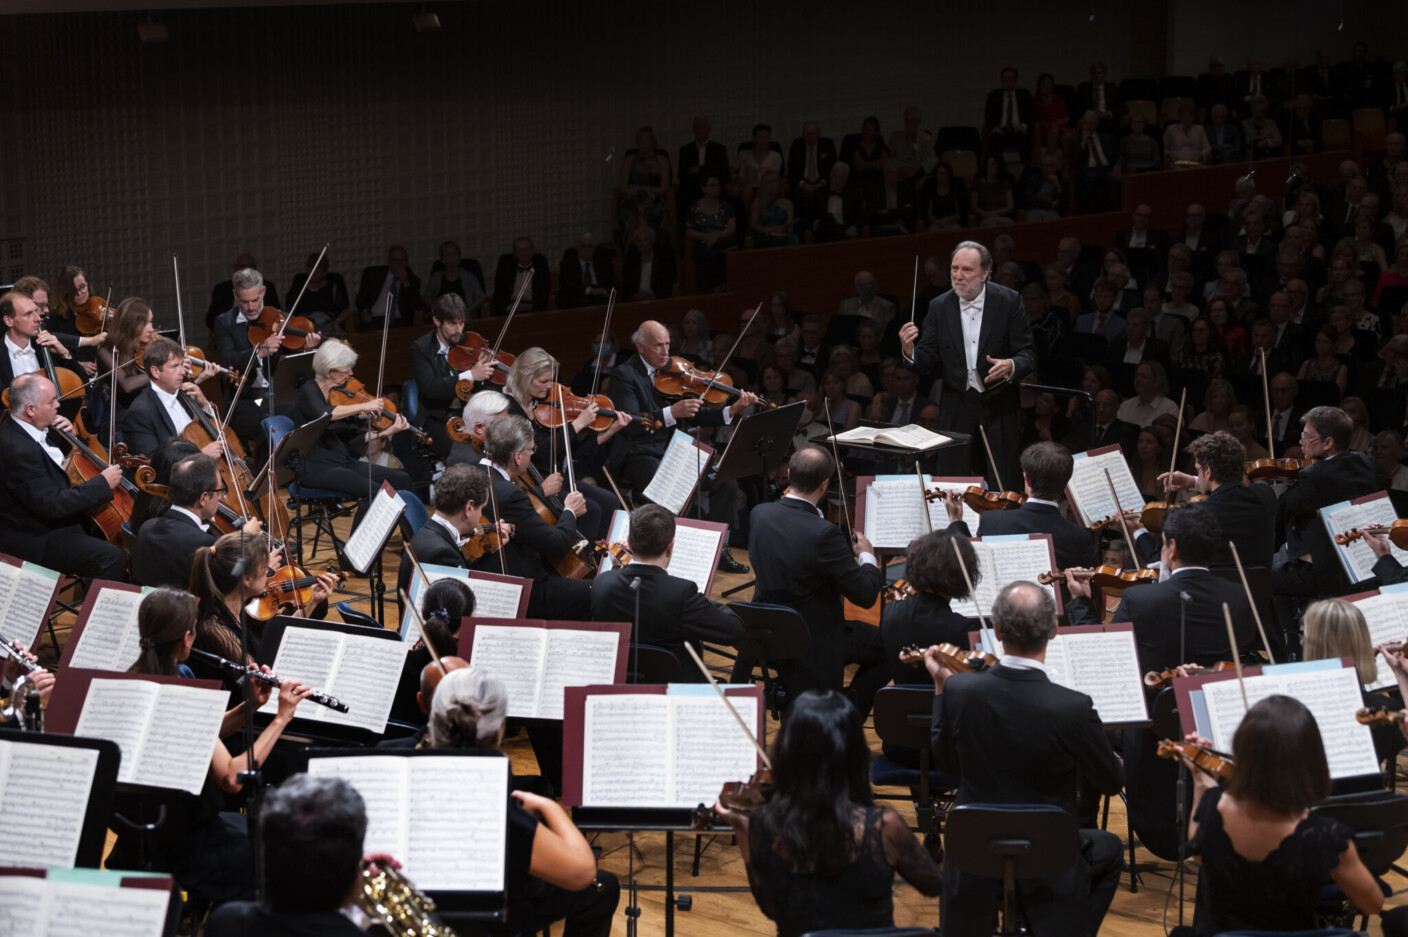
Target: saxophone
[389,897]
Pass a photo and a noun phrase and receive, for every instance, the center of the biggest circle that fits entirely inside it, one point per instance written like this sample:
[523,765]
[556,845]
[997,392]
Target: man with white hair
[483,408]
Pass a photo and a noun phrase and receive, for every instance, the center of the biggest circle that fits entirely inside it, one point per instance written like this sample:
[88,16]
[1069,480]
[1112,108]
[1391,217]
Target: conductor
[978,344]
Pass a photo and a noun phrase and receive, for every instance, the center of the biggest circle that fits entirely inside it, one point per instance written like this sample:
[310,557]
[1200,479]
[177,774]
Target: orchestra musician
[925,619]
[206,849]
[435,380]
[977,341]
[70,291]
[25,337]
[167,544]
[552,874]
[804,561]
[536,545]
[443,607]
[480,410]
[42,512]
[1052,741]
[672,610]
[820,853]
[633,387]
[167,405]
[461,493]
[42,679]
[339,461]
[1387,569]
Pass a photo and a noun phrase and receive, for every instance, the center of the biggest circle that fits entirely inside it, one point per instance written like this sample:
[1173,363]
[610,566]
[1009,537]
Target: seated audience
[1092,156]
[1139,152]
[647,273]
[753,161]
[914,148]
[1044,191]
[586,276]
[325,301]
[772,218]
[712,230]
[1259,132]
[992,200]
[891,204]
[393,283]
[946,207]
[868,155]
[1053,123]
[1224,139]
[644,182]
[1185,142]
[809,162]
[523,271]
[464,278]
[836,209]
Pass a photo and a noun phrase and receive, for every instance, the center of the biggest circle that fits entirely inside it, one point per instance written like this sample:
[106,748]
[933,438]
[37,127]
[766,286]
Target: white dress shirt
[971,315]
[444,352]
[1016,662]
[22,360]
[195,518]
[179,417]
[256,377]
[41,436]
[454,534]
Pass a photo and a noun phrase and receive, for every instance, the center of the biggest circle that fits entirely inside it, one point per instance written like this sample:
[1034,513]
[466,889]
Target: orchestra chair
[903,715]
[415,516]
[353,617]
[1010,842]
[129,542]
[649,665]
[771,633]
[875,932]
[323,506]
[1379,820]
[410,401]
[1164,716]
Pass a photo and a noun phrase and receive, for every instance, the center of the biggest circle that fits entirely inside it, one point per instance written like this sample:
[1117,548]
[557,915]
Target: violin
[473,349]
[1261,469]
[1218,765]
[1104,577]
[980,499]
[679,378]
[951,656]
[1397,532]
[352,392]
[1156,512]
[289,586]
[269,323]
[738,796]
[483,541]
[900,590]
[198,363]
[563,406]
[1157,680]
[1378,717]
[92,316]
[618,552]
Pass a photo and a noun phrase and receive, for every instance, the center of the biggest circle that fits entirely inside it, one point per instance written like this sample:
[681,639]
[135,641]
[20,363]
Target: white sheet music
[109,637]
[1386,614]
[678,473]
[1090,494]
[1357,558]
[1106,668]
[1332,696]
[367,540]
[444,818]
[495,599]
[894,513]
[43,799]
[515,655]
[536,664]
[166,733]
[361,671]
[37,907]
[695,550]
[1003,562]
[25,596]
[653,750]
[575,658]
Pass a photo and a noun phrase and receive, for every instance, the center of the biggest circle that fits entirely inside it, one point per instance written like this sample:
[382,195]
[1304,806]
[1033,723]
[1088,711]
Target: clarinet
[254,673]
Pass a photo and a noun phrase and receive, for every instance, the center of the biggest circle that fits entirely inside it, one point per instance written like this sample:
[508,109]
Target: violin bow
[605,331]
[739,340]
[997,476]
[624,503]
[512,310]
[699,662]
[923,497]
[112,401]
[566,442]
[1173,459]
[1124,527]
[494,503]
[914,295]
[1252,602]
[1266,398]
[1236,656]
[840,478]
[424,635]
[989,636]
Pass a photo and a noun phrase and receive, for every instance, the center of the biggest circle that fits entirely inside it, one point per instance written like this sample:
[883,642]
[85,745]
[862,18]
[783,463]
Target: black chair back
[772,632]
[1380,823]
[1037,840]
[903,715]
[651,665]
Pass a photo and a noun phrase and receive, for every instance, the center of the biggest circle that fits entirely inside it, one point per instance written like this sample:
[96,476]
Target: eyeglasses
[222,490]
[1306,438]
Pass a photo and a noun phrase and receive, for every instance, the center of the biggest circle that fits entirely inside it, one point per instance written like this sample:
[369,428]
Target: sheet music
[1386,614]
[1003,562]
[710,749]
[1105,667]
[109,638]
[309,656]
[367,540]
[694,556]
[1332,696]
[624,763]
[78,910]
[183,729]
[429,574]
[1089,492]
[494,599]
[382,782]
[368,671]
[1357,558]
[119,710]
[575,658]
[22,899]
[678,473]
[912,436]
[514,654]
[43,799]
[27,601]
[893,515]
[9,575]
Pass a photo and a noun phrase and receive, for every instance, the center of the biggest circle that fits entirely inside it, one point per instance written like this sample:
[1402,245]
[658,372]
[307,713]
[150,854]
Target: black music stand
[759,443]
[289,460]
[293,372]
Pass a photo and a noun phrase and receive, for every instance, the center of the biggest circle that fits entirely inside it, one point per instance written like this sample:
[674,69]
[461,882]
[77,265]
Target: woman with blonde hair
[1333,629]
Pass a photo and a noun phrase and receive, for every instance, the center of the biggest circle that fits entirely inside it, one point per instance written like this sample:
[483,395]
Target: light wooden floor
[725,914]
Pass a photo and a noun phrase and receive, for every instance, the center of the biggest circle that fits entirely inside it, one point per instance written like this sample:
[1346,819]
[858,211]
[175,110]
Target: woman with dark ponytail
[442,607]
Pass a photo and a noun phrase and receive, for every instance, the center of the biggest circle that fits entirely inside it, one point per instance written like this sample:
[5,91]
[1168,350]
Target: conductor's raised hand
[1001,370]
[909,334]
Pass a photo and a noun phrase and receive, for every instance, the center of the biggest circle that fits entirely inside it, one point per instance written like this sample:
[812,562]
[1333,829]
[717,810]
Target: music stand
[288,460]
[293,372]
[759,443]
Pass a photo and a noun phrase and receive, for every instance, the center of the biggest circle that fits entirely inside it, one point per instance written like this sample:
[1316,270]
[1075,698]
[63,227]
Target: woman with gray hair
[338,461]
[552,873]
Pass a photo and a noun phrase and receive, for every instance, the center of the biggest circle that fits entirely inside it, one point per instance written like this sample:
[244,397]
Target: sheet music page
[494,599]
[514,654]
[28,604]
[859,434]
[366,541]
[367,674]
[110,634]
[693,559]
[710,749]
[893,516]
[120,711]
[9,575]
[575,658]
[938,516]
[383,781]
[678,473]
[410,629]
[1090,495]
[1357,558]
[458,823]
[75,910]
[1385,615]
[912,436]
[626,751]
[1105,667]
[184,727]
[22,899]
[1003,562]
[311,657]
[43,798]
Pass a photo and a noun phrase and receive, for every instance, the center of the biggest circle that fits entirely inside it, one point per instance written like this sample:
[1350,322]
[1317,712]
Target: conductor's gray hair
[984,255]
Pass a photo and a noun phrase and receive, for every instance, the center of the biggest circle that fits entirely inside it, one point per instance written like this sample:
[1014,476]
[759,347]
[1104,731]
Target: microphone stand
[1180,813]
[635,631]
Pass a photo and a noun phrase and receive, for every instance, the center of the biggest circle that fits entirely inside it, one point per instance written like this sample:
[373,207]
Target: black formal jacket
[407,303]
[233,346]
[241,918]
[634,392]
[1075,545]
[1085,100]
[992,108]
[431,544]
[535,544]
[35,494]
[1247,516]
[1005,333]
[146,424]
[671,612]
[536,299]
[804,561]
[571,290]
[921,621]
[797,160]
[1051,736]
[435,382]
[662,273]
[1154,611]
[691,174]
[1341,478]
[1155,349]
[166,545]
[1085,435]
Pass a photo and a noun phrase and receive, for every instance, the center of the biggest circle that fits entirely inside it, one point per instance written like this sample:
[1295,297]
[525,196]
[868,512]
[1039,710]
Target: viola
[951,656]
[1157,680]
[563,406]
[351,392]
[483,541]
[1156,512]
[289,586]
[1218,765]
[680,378]
[1379,717]
[198,363]
[269,323]
[93,316]
[473,349]
[1261,469]
[618,552]
[738,796]
[1397,532]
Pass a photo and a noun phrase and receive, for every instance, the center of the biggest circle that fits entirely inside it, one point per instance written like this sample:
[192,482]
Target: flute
[27,665]
[254,673]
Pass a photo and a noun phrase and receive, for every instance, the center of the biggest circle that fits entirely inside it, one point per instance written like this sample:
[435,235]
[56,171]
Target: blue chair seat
[885,772]
[303,493]
[353,617]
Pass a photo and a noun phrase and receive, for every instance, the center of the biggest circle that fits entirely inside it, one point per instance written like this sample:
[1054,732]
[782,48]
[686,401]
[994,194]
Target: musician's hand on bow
[1001,370]
[290,695]
[260,691]
[936,668]
[586,418]
[745,400]
[1077,587]
[576,502]
[481,370]
[1134,520]
[1379,543]
[215,449]
[909,334]
[684,409]
[860,543]
[552,484]
[1177,481]
[953,504]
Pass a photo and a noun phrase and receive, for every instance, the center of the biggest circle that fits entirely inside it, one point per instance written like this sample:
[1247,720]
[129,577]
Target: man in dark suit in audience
[1091,156]
[1301,128]
[809,162]
[699,159]
[1254,82]
[167,405]
[1136,345]
[804,561]
[393,280]
[1056,745]
[43,512]
[514,270]
[836,209]
[672,610]
[1248,366]
[1007,115]
[1100,96]
[586,276]
[167,544]
[1285,415]
[1102,427]
[461,493]
[1144,247]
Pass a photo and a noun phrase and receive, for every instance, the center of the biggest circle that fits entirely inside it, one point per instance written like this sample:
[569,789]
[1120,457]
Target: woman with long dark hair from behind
[821,854]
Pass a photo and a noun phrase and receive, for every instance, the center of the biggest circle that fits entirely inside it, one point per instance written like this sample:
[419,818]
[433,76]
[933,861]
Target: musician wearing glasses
[167,545]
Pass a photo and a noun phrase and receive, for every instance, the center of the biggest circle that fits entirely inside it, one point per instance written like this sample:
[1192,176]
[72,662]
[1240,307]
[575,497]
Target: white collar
[191,514]
[454,534]
[806,501]
[501,470]
[17,350]
[40,436]
[1184,569]
[1031,500]
[444,349]
[167,399]
[1017,662]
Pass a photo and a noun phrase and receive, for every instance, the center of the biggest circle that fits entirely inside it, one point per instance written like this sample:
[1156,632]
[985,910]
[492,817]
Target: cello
[87,459]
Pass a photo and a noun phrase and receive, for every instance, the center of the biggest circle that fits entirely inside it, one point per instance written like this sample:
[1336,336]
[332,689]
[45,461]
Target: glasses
[41,305]
[1308,438]
[222,490]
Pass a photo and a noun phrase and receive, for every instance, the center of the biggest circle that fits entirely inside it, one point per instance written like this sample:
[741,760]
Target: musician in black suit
[1053,742]
[585,276]
[699,159]
[925,619]
[461,493]
[166,544]
[43,513]
[1046,469]
[978,341]
[804,561]
[435,379]
[222,295]
[27,344]
[672,610]
[167,405]
[537,546]
[1101,426]
[509,275]
[395,280]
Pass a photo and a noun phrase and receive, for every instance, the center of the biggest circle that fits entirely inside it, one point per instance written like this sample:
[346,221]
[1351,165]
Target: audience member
[1259,132]
[914,148]
[325,301]
[890,206]
[1302,128]
[772,217]
[1091,155]
[643,183]
[1053,123]
[1218,401]
[1044,191]
[1139,152]
[1225,139]
[1099,97]
[1008,116]
[867,156]
[946,207]
[1185,143]
[753,161]
[699,159]
[867,302]
[836,209]
[1151,396]
[522,271]
[647,273]
[1102,320]
[465,278]
[992,201]
[586,276]
[809,162]
[388,286]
